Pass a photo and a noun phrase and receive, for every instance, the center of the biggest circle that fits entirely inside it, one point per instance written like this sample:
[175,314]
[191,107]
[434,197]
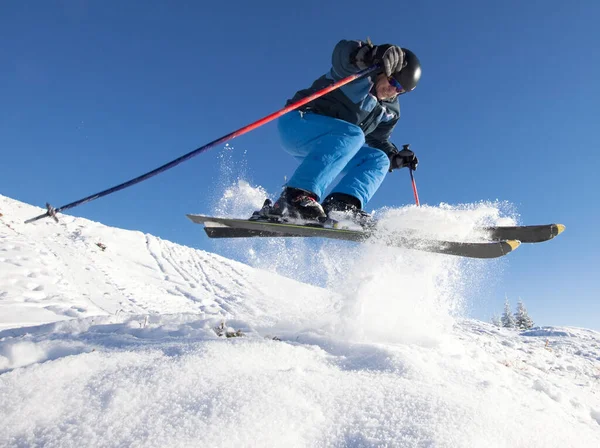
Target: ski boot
[264,214]
[294,205]
[345,211]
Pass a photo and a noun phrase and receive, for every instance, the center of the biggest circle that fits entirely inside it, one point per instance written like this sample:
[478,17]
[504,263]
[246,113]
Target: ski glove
[404,158]
[389,57]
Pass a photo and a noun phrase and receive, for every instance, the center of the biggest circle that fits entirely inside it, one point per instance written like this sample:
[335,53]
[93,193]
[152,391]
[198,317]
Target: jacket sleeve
[380,137]
[341,59]
[343,66]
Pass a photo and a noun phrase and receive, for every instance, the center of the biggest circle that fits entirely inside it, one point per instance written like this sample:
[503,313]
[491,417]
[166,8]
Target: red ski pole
[414,186]
[53,211]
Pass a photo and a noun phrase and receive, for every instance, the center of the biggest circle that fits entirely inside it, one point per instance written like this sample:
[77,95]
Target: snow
[121,347]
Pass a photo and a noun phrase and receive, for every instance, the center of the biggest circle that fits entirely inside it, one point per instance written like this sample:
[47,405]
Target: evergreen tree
[508,320]
[496,320]
[522,319]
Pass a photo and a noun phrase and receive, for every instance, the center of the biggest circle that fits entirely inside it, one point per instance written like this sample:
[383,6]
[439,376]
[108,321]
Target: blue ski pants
[327,147]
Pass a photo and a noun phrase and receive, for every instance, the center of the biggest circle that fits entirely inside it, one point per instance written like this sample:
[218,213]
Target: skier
[347,131]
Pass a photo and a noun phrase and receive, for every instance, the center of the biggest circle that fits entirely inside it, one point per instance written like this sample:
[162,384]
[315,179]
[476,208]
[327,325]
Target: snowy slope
[55,271]
[119,348]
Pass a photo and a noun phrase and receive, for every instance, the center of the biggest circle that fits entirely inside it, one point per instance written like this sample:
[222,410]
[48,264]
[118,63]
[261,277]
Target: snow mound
[149,343]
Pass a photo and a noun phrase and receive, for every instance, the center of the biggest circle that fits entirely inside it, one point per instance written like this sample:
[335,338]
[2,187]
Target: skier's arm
[343,64]
[342,58]
[380,137]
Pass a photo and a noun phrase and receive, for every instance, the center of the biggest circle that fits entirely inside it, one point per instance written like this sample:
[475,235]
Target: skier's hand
[402,159]
[389,57]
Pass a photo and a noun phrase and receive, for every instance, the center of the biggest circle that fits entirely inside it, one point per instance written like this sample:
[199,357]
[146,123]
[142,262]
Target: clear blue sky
[94,93]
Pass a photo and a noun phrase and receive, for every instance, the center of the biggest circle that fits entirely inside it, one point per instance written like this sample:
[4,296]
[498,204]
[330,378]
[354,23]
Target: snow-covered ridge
[59,271]
[121,347]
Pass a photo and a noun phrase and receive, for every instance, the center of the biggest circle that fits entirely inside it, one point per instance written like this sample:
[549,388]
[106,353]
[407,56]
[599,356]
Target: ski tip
[560,228]
[513,244]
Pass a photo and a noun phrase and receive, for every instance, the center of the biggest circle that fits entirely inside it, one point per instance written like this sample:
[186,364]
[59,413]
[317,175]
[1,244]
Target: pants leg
[364,175]
[323,145]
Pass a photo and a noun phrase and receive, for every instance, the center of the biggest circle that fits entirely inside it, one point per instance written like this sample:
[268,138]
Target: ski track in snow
[119,348]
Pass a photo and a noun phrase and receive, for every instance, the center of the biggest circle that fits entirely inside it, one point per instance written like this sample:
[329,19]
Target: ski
[524,234]
[214,229]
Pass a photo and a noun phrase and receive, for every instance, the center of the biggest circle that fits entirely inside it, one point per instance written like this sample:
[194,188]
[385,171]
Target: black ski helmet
[410,74]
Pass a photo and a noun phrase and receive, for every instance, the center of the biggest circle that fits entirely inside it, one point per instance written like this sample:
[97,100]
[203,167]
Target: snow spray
[379,293]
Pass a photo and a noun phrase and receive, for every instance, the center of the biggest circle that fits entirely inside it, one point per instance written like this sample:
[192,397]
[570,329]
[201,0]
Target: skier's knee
[381,161]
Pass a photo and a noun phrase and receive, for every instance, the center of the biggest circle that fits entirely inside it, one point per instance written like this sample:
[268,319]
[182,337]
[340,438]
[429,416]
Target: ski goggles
[396,85]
